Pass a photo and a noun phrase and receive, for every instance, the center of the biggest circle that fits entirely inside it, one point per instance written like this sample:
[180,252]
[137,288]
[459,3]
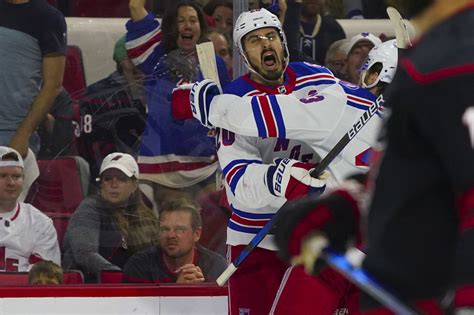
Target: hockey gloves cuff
[291,179]
[194,101]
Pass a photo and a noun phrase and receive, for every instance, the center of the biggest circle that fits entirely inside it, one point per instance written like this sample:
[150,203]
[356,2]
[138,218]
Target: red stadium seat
[111,276]
[21,278]
[73,277]
[102,8]
[61,186]
[74,80]
[60,224]
[13,278]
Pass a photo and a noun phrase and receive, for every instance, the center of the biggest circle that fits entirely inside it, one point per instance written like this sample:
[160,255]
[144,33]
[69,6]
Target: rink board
[114,299]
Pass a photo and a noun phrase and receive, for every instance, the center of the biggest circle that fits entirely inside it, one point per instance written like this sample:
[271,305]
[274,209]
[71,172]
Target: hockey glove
[336,217]
[291,179]
[194,100]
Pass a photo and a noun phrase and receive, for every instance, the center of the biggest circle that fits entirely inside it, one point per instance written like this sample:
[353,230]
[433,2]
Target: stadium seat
[60,223]
[111,276]
[74,80]
[13,278]
[102,8]
[61,186]
[21,278]
[73,277]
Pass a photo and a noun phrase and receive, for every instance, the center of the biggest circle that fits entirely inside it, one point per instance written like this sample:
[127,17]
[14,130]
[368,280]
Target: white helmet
[386,54]
[253,20]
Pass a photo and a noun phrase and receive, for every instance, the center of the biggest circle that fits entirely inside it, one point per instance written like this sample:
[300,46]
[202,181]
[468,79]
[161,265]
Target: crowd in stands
[150,202]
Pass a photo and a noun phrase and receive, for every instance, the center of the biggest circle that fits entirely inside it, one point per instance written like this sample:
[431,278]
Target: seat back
[14,278]
[60,223]
[73,277]
[74,80]
[111,276]
[61,186]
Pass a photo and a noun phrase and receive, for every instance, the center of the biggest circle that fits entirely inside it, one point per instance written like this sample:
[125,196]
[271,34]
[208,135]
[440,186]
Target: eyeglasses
[179,230]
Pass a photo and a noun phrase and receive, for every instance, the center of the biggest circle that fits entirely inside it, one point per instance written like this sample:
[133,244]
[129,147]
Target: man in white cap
[26,234]
[357,51]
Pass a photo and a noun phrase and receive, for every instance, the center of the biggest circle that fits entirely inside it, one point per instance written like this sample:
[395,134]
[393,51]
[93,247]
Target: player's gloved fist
[194,101]
[291,179]
[335,217]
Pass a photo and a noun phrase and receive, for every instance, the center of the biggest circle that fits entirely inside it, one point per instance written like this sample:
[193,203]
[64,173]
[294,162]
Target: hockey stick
[401,28]
[207,61]
[361,122]
[349,266]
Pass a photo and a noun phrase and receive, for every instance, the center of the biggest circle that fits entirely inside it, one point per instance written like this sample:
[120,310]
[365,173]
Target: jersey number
[7,264]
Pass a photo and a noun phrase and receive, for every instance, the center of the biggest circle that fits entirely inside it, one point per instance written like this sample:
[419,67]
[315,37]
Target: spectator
[222,45]
[178,258]
[176,158]
[45,272]
[114,112]
[107,228]
[318,30]
[357,51]
[27,234]
[336,57]
[222,13]
[33,37]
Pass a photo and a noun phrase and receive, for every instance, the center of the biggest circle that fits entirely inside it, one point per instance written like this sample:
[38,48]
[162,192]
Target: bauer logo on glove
[291,179]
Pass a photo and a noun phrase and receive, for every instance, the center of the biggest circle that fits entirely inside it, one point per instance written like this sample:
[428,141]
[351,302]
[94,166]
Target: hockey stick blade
[207,61]
[401,30]
[341,144]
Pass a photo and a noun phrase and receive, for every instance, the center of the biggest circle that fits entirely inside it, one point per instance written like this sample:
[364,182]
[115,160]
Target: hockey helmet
[253,20]
[386,54]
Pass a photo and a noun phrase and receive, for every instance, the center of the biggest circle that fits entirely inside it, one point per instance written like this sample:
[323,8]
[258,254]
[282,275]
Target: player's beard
[410,8]
[269,75]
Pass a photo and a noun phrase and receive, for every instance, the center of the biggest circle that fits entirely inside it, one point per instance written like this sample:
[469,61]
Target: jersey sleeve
[281,116]
[144,43]
[243,170]
[47,246]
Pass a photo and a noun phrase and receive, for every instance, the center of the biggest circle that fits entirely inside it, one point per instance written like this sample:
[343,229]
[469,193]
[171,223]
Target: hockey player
[259,107]
[27,235]
[306,121]
[420,221]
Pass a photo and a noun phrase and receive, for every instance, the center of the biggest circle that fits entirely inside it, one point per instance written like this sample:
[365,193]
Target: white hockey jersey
[26,236]
[302,119]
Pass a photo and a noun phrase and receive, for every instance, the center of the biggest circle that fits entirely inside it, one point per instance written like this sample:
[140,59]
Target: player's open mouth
[269,59]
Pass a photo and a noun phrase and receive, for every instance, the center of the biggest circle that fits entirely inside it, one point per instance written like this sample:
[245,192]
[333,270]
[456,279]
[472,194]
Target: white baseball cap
[121,161]
[365,36]
[13,159]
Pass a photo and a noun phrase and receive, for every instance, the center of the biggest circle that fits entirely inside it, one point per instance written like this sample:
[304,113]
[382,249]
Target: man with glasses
[178,258]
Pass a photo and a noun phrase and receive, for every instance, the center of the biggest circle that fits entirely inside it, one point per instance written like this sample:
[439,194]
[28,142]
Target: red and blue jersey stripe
[268,117]
[247,222]
[234,171]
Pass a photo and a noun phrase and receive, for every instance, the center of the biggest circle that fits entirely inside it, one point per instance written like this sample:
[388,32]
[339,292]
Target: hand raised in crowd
[137,9]
[189,273]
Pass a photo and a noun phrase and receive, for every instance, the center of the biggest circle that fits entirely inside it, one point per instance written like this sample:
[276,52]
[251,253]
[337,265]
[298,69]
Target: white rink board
[194,305]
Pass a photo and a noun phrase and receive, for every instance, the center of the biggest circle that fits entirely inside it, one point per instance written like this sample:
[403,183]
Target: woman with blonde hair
[110,226]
